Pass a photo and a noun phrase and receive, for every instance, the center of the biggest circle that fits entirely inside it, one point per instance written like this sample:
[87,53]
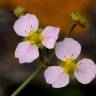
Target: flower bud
[79,19]
[19,11]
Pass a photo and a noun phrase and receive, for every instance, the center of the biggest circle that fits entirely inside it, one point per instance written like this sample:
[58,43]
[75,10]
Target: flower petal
[68,48]
[52,73]
[50,35]
[62,81]
[26,52]
[86,71]
[25,24]
[55,75]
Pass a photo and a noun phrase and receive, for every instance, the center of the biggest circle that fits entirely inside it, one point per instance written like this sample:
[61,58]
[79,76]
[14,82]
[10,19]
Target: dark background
[55,13]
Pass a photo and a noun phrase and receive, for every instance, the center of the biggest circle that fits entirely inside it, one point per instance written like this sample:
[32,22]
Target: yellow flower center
[35,38]
[69,65]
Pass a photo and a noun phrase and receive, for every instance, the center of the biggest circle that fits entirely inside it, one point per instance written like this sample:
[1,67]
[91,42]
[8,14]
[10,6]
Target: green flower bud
[75,16]
[19,11]
[79,19]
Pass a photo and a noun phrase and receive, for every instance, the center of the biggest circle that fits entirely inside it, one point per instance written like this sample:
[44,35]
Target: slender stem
[72,28]
[41,56]
[51,57]
[28,80]
[44,56]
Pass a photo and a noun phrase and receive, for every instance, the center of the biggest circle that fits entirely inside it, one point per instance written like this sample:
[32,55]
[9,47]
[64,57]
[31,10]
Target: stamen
[35,38]
[69,65]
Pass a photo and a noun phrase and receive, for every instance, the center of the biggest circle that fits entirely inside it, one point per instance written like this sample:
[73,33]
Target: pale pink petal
[56,76]
[62,81]
[68,48]
[26,52]
[52,73]
[50,35]
[25,24]
[86,71]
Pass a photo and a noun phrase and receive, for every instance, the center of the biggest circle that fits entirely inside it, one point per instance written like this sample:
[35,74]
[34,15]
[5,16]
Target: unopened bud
[19,11]
[79,19]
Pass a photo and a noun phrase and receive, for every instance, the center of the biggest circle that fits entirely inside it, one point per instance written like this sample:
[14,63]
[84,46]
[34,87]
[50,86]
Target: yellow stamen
[69,60]
[69,65]
[65,69]
[40,37]
[35,38]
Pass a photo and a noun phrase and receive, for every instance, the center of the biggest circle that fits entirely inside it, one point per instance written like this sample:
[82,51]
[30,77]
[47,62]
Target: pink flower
[27,26]
[67,51]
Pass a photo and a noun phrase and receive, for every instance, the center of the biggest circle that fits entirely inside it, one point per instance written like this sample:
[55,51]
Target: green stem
[28,80]
[71,30]
[51,57]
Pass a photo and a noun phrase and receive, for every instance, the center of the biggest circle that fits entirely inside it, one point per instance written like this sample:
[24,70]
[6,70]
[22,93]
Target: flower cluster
[66,51]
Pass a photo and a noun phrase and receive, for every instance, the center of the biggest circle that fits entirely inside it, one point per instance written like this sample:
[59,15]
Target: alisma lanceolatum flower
[28,26]
[67,51]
